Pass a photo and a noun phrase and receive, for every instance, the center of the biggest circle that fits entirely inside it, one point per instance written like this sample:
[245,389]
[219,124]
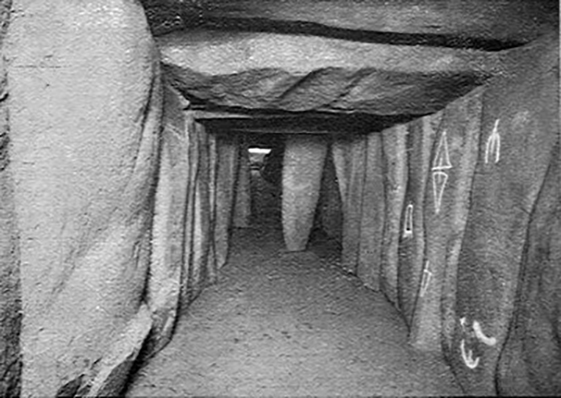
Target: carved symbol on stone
[468,356]
[439,180]
[442,157]
[478,332]
[425,281]
[408,224]
[490,341]
[493,146]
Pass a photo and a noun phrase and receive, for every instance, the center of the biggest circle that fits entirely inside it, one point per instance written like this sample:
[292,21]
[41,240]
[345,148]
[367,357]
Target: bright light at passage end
[260,151]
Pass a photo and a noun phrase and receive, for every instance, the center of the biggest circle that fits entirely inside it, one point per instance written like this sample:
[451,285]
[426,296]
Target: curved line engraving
[442,155]
[468,357]
[490,341]
[493,144]
[408,224]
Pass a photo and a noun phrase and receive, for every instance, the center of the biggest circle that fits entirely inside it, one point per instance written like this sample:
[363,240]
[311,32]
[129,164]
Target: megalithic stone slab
[412,238]
[85,117]
[242,208]
[447,193]
[200,259]
[330,204]
[530,363]
[212,268]
[349,155]
[311,73]
[168,228]
[10,289]
[304,156]
[519,132]
[395,165]
[373,214]
[228,153]
[193,157]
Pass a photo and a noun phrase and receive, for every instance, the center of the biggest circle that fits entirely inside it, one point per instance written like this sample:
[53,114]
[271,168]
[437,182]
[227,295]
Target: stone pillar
[228,152]
[373,214]
[304,156]
[395,166]
[242,207]
[85,117]
[349,157]
[412,241]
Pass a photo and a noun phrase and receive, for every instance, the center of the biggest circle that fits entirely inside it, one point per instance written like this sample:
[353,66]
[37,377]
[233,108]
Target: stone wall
[468,188]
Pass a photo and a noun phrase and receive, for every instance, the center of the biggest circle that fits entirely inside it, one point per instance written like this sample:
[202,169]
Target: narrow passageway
[289,324]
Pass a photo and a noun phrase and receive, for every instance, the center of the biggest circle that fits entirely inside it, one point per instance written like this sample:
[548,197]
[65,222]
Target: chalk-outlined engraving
[490,341]
[439,180]
[442,156]
[468,356]
[493,145]
[425,281]
[408,224]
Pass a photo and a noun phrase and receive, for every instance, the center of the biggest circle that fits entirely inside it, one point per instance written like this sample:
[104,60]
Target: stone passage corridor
[289,324]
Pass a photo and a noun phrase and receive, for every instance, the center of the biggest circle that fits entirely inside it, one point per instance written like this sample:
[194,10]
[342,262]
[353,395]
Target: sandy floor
[289,324]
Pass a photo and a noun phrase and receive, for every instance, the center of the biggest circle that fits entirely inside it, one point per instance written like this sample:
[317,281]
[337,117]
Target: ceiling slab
[293,73]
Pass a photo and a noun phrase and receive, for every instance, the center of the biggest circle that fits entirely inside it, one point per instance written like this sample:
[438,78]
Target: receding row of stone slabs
[463,184]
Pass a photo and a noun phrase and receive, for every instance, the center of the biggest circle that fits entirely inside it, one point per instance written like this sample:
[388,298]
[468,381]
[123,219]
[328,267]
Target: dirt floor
[289,324]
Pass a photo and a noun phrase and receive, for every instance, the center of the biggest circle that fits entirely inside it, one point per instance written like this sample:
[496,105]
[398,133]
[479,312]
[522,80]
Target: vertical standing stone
[412,243]
[168,227]
[395,165]
[373,214]
[228,152]
[453,158]
[85,116]
[193,156]
[349,156]
[10,290]
[530,364]
[330,205]
[304,156]
[520,131]
[199,264]
[212,268]
[242,207]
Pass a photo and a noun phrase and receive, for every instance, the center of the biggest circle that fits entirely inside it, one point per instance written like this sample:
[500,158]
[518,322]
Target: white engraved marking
[425,281]
[439,180]
[493,145]
[408,225]
[468,357]
[490,341]
[442,156]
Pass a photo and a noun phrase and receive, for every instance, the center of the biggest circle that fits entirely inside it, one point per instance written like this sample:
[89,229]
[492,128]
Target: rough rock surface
[531,361]
[85,110]
[309,73]
[448,187]
[10,293]
[475,23]
[302,169]
[420,138]
[519,137]
[168,226]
